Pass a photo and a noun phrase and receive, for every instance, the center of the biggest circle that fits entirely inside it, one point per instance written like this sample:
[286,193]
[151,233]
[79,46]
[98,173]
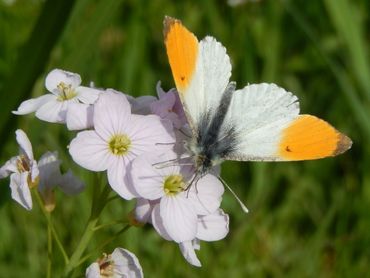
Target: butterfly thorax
[214,139]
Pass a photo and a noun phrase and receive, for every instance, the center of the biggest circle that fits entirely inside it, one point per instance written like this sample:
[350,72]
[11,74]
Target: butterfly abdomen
[214,141]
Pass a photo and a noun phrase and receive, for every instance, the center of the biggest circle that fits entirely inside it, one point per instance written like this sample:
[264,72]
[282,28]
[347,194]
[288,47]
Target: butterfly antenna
[244,208]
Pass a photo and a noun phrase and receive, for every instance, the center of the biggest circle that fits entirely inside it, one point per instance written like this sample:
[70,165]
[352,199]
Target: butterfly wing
[268,128]
[201,70]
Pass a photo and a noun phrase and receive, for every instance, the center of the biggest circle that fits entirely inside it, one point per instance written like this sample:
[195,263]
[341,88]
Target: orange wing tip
[309,137]
[182,51]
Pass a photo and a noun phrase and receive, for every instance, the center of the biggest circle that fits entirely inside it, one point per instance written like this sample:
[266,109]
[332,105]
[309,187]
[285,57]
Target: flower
[210,227]
[65,89]
[141,105]
[50,177]
[117,139]
[168,106]
[23,171]
[175,207]
[121,263]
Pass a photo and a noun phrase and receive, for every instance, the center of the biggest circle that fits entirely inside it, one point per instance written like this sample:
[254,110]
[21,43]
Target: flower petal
[158,223]
[117,179]
[69,184]
[143,210]
[111,114]
[9,167]
[87,95]
[150,133]
[187,250]
[24,143]
[53,111]
[179,217]
[20,190]
[206,195]
[146,179]
[126,264]
[90,151]
[31,105]
[93,271]
[49,167]
[213,227]
[141,105]
[80,116]
[56,76]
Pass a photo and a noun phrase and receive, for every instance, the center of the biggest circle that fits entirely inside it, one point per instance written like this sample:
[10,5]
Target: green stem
[109,224]
[104,243]
[50,252]
[99,201]
[50,224]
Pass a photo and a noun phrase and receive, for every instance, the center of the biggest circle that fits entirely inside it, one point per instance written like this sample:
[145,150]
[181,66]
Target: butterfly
[260,122]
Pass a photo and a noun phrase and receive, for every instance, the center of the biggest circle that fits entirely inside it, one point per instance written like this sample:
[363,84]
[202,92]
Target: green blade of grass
[32,59]
[346,20]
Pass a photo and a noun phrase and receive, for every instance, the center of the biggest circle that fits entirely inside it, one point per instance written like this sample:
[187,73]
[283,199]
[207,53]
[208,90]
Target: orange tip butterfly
[259,122]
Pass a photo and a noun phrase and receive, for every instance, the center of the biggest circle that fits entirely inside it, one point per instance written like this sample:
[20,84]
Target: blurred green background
[307,219]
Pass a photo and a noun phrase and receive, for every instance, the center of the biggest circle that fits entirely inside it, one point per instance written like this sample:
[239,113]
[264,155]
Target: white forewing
[211,76]
[259,113]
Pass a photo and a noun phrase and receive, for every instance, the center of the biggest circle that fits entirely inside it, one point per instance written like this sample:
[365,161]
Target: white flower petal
[31,105]
[116,178]
[20,190]
[87,95]
[69,184]
[34,171]
[93,271]
[213,227]
[206,195]
[80,116]
[56,76]
[91,151]
[53,111]
[24,143]
[9,167]
[126,264]
[146,179]
[141,105]
[179,217]
[111,114]
[158,223]
[150,133]
[187,250]
[143,210]
[49,167]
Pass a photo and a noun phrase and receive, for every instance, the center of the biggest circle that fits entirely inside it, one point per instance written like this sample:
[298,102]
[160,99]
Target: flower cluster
[139,142]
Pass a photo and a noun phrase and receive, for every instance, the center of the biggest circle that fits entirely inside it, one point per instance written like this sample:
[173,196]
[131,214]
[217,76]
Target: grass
[307,219]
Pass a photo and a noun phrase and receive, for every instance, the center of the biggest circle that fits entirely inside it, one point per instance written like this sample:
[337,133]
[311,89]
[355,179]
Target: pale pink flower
[141,105]
[210,227]
[118,137]
[169,106]
[121,263]
[175,216]
[51,177]
[64,88]
[23,171]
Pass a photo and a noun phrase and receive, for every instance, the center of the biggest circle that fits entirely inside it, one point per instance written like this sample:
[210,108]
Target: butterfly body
[213,140]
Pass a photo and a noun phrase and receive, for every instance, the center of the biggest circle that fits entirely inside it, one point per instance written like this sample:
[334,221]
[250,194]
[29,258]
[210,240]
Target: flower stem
[51,226]
[104,243]
[50,252]
[99,201]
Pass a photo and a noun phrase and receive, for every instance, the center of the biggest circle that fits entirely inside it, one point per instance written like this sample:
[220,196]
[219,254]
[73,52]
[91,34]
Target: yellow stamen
[65,92]
[119,144]
[174,184]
